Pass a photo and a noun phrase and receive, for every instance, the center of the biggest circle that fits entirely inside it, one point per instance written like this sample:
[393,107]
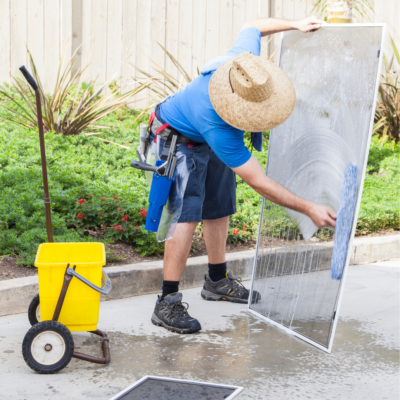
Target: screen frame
[237,389]
[358,203]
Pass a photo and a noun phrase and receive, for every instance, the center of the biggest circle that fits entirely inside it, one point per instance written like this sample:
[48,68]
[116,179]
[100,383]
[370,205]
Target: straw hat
[251,94]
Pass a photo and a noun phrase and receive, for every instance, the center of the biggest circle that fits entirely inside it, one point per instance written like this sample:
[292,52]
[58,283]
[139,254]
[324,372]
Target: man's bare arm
[252,173]
[269,26]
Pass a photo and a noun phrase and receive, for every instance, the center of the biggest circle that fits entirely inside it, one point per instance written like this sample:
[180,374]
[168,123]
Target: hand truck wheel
[34,311]
[48,347]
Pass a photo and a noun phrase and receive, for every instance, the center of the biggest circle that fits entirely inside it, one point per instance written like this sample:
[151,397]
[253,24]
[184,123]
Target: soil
[122,254]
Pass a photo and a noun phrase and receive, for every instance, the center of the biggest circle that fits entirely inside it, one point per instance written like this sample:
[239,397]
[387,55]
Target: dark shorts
[211,189]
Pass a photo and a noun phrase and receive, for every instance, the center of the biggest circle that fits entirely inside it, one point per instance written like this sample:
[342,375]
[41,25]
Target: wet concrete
[233,348]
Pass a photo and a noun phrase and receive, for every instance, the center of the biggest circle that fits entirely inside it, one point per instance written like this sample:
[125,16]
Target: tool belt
[164,130]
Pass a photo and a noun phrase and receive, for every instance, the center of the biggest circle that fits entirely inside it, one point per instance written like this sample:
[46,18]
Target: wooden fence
[116,32]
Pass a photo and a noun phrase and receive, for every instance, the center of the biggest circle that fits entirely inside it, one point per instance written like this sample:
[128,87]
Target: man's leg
[176,254]
[219,204]
[169,311]
[215,232]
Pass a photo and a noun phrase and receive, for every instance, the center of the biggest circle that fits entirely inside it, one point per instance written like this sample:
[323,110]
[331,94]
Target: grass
[79,166]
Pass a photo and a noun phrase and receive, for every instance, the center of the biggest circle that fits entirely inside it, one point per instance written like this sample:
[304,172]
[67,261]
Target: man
[235,93]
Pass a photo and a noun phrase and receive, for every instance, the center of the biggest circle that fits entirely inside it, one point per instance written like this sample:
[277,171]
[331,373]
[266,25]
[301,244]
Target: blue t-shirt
[191,113]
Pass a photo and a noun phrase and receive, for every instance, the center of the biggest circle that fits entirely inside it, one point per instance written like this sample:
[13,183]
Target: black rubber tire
[41,327]
[32,310]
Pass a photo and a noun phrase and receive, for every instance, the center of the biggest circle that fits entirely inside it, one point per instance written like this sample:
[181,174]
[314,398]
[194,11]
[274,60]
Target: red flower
[235,231]
[101,213]
[125,218]
[80,216]
[119,209]
[115,196]
[118,228]
[103,198]
[144,213]
[81,201]
[136,228]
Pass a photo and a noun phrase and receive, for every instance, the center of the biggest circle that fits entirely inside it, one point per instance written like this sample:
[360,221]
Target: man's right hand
[322,216]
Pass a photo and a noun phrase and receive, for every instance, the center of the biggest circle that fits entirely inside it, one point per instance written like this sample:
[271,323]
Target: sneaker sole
[157,321]
[210,296]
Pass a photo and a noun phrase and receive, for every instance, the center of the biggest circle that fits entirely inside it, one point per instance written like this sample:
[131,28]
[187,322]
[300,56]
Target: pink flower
[125,218]
[101,213]
[80,216]
[81,201]
[235,231]
[90,195]
[119,209]
[136,228]
[244,233]
[144,213]
[103,198]
[115,196]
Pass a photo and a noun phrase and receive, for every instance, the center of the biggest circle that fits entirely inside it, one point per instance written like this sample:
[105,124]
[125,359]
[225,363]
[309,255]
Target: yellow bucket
[80,311]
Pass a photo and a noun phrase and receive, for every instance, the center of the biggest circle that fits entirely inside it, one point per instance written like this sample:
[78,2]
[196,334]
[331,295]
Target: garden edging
[145,278]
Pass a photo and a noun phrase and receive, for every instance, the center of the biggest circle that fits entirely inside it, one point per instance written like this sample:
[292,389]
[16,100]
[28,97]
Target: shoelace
[238,285]
[178,310]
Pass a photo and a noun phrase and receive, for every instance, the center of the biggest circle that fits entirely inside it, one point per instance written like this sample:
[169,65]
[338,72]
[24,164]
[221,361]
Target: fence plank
[87,39]
[18,42]
[239,17]
[276,12]
[264,11]
[226,39]
[66,28]
[172,35]
[51,49]
[114,42]
[158,26]
[212,31]
[99,31]
[199,19]
[129,37]
[185,34]
[5,39]
[143,44]
[300,9]
[35,33]
[251,9]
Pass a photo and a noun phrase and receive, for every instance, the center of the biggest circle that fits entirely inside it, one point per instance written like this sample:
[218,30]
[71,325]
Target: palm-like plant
[69,109]
[387,114]
[362,9]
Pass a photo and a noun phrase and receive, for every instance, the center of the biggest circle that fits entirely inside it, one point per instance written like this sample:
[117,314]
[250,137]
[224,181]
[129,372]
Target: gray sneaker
[228,289]
[173,315]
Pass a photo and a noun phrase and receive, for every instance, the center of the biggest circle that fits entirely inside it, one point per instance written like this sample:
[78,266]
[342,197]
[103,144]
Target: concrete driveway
[233,348]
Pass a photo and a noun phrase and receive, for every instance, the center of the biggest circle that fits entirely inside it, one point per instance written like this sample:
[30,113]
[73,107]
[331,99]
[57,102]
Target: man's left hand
[310,24]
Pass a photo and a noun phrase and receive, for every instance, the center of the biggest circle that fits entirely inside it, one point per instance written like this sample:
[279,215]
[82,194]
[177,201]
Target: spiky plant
[387,114]
[164,84]
[71,107]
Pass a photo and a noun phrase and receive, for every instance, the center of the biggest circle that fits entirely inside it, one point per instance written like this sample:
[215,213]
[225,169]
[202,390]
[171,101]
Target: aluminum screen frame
[236,389]
[328,349]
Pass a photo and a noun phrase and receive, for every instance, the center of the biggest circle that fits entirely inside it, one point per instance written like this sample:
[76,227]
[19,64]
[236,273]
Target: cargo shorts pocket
[192,187]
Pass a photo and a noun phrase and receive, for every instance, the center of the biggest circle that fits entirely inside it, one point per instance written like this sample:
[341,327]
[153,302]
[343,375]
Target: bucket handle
[103,290]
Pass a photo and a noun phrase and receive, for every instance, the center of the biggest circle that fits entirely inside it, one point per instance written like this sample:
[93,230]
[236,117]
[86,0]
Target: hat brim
[248,115]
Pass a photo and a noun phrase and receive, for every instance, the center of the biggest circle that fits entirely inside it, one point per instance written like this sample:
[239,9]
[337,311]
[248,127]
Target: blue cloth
[344,220]
[191,113]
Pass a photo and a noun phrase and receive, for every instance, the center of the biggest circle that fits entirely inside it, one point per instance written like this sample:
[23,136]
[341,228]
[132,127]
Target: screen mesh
[318,154]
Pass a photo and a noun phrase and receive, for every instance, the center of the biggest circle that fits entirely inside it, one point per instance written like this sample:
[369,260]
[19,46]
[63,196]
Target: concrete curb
[145,278]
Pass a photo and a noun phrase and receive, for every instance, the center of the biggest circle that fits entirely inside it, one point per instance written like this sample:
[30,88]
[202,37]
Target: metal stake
[47,208]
